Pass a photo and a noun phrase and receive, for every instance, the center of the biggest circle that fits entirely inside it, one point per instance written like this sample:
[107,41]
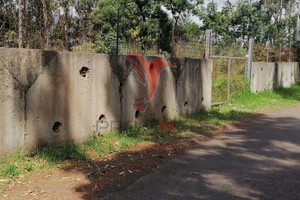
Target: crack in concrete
[24,99]
[12,75]
[24,87]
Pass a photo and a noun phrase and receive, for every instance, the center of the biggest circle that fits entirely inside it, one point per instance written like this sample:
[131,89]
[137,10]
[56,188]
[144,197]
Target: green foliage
[28,167]
[10,170]
[135,19]
[267,99]
[220,73]
[155,25]
[10,36]
[53,155]
[85,47]
[11,166]
[105,43]
[262,20]
[273,53]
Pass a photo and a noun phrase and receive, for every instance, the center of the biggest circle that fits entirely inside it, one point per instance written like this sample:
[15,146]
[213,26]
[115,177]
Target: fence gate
[228,77]
[229,73]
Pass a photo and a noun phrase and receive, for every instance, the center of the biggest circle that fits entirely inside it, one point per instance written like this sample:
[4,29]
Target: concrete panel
[270,76]
[206,84]
[12,112]
[286,74]
[73,102]
[162,103]
[48,97]
[297,71]
[262,77]
[189,90]
[128,89]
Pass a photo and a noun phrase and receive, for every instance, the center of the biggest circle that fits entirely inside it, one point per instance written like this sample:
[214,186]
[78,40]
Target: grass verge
[194,125]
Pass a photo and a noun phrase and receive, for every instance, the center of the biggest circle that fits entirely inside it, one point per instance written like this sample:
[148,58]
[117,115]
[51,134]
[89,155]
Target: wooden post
[208,44]
[267,45]
[290,52]
[280,53]
[297,35]
[118,27]
[173,38]
[298,25]
[46,25]
[249,60]
[20,23]
[228,79]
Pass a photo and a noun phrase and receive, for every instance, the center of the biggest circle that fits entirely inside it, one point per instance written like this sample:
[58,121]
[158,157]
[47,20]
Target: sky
[220,4]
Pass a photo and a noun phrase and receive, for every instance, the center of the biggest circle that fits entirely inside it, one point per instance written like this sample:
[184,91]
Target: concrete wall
[297,71]
[269,76]
[45,101]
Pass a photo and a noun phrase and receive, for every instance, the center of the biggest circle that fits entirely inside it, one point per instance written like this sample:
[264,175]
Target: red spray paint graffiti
[148,74]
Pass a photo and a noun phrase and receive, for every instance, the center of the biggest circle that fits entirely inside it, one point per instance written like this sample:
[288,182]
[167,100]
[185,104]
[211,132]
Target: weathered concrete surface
[259,160]
[263,75]
[61,95]
[178,92]
[297,71]
[286,74]
[269,76]
[187,83]
[12,116]
[46,101]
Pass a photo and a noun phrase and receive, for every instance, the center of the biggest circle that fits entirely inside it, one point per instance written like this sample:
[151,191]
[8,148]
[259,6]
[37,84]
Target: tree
[46,23]
[260,20]
[141,21]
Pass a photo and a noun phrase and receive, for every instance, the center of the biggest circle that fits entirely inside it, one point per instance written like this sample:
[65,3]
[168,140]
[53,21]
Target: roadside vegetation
[196,125]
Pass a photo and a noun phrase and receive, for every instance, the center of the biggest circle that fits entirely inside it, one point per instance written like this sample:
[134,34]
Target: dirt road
[260,160]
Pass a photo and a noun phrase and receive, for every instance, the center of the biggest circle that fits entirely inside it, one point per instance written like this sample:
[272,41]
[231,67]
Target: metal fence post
[249,60]
[21,10]
[228,79]
[280,52]
[297,35]
[208,44]
[267,45]
[118,27]
[290,52]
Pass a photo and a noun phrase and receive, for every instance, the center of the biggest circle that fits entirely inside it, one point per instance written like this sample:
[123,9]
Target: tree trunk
[46,24]
[20,23]
[66,27]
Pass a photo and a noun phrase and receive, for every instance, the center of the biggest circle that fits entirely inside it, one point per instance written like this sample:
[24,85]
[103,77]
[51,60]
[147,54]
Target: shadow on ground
[255,161]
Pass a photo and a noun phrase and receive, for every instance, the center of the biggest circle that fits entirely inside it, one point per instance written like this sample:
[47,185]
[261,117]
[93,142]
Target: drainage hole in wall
[185,103]
[261,69]
[197,70]
[137,114]
[163,109]
[56,126]
[102,118]
[84,71]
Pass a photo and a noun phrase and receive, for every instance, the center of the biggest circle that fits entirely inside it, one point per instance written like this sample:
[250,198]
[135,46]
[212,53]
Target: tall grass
[220,77]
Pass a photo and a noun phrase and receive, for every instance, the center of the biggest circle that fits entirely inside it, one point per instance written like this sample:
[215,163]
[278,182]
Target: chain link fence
[230,64]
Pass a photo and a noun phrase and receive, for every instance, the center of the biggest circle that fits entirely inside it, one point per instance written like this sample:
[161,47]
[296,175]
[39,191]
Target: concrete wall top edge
[102,54]
[274,62]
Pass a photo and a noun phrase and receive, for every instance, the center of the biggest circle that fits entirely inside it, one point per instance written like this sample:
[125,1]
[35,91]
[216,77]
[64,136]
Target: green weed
[52,155]
[10,170]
